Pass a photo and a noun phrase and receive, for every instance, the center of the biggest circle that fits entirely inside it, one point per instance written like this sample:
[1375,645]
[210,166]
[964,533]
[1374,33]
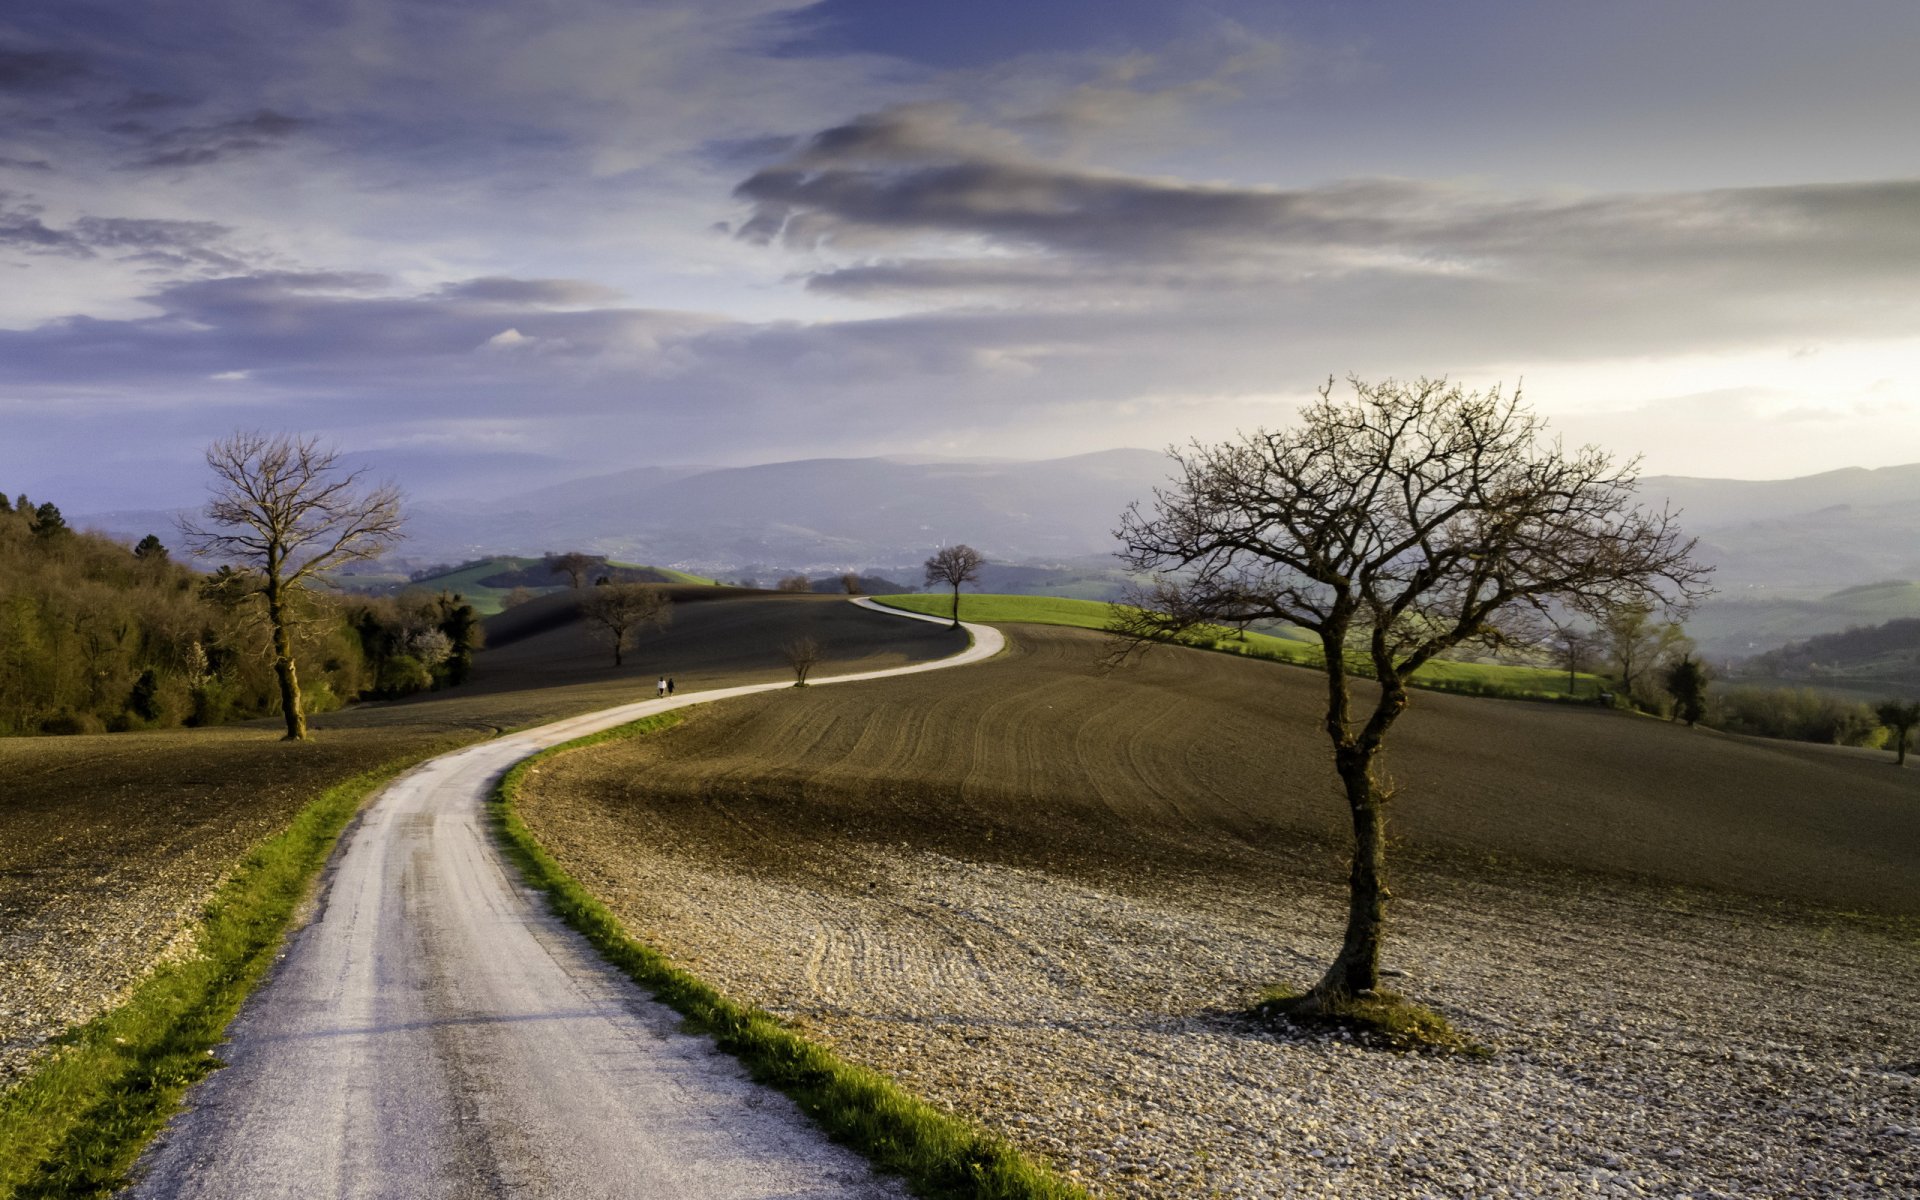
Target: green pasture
[1496,679]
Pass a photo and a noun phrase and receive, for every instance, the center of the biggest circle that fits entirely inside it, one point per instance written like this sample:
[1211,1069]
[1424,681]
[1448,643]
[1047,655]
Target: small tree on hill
[1638,644]
[953,566]
[615,612]
[850,583]
[1686,682]
[1575,649]
[150,549]
[1398,525]
[282,506]
[574,565]
[1900,716]
[802,654]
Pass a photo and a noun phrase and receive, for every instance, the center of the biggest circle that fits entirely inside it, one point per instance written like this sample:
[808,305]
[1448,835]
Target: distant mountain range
[815,513]
[1784,548]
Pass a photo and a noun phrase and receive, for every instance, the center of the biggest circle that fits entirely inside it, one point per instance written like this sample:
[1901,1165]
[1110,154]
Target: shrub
[1800,714]
[403,675]
[67,721]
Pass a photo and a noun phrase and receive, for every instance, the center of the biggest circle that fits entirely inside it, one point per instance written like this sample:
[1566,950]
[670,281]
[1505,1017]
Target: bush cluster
[1801,714]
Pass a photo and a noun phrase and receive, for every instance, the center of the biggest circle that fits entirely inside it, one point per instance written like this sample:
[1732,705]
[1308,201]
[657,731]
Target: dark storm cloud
[198,145]
[26,164]
[26,70]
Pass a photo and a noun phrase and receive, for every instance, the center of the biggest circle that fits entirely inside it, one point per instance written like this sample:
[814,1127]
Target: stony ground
[1645,1042]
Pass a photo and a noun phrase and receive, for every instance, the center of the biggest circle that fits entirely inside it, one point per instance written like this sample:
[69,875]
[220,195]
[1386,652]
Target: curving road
[434,1032]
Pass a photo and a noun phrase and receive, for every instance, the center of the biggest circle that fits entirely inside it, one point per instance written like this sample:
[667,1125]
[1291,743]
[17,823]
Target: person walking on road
[669,685]
[663,687]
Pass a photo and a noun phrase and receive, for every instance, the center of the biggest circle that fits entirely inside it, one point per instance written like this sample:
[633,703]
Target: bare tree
[1410,520]
[574,565]
[802,654]
[850,583]
[1575,649]
[953,566]
[795,583]
[615,612]
[281,505]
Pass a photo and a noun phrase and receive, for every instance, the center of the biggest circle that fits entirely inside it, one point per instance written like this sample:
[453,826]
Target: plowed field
[1041,895]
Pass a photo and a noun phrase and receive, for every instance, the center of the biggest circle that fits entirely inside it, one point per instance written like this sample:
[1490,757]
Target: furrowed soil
[110,844]
[1044,896]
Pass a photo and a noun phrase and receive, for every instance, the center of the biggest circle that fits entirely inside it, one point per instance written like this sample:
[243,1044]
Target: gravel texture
[1644,1043]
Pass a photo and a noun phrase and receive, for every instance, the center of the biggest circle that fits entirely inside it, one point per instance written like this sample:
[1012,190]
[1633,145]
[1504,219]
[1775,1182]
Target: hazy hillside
[813,512]
[1792,554]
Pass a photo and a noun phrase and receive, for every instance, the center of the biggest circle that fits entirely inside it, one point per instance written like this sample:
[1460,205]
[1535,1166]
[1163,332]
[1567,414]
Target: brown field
[109,844]
[1041,895]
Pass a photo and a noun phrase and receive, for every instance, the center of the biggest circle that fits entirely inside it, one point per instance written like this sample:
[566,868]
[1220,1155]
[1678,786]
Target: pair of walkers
[666,686]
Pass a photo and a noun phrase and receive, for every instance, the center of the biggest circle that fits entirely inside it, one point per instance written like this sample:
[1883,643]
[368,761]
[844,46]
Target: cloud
[920,203]
[199,145]
[181,247]
[556,293]
[25,70]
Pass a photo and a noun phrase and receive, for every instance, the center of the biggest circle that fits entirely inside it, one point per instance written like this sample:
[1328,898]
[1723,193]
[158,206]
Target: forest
[96,636]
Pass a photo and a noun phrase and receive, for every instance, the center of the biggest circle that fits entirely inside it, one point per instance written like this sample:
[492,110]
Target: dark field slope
[717,636]
[110,843]
[1039,757]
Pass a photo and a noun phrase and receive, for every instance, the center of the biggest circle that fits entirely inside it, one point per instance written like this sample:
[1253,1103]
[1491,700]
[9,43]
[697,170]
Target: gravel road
[433,1032]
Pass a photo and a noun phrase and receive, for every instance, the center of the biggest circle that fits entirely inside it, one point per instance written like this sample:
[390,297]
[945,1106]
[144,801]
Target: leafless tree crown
[1421,515]
[281,505]
[802,654]
[954,565]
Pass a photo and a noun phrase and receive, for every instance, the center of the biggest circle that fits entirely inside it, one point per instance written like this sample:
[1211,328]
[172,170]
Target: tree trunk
[956,606]
[284,669]
[1900,747]
[1357,969]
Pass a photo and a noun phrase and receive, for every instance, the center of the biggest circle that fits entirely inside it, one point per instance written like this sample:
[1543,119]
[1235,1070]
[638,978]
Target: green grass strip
[1504,680]
[941,1156]
[74,1125]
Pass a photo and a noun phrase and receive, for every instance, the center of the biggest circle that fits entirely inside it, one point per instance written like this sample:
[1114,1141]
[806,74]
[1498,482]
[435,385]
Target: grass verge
[75,1124]
[1509,681]
[940,1155]
[1383,1020]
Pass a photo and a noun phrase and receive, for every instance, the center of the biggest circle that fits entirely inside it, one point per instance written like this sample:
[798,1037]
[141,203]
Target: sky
[484,245]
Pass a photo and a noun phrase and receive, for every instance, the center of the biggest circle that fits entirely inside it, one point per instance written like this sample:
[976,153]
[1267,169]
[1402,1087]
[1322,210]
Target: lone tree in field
[795,583]
[802,654]
[1901,716]
[283,508]
[1395,526]
[615,612]
[1686,681]
[953,566]
[574,565]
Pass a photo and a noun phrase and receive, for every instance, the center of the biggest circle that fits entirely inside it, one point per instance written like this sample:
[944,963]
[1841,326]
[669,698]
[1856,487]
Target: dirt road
[434,1032]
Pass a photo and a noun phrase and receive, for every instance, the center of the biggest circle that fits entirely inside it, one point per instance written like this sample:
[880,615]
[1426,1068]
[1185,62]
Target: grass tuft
[74,1125]
[1382,1020]
[940,1155]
